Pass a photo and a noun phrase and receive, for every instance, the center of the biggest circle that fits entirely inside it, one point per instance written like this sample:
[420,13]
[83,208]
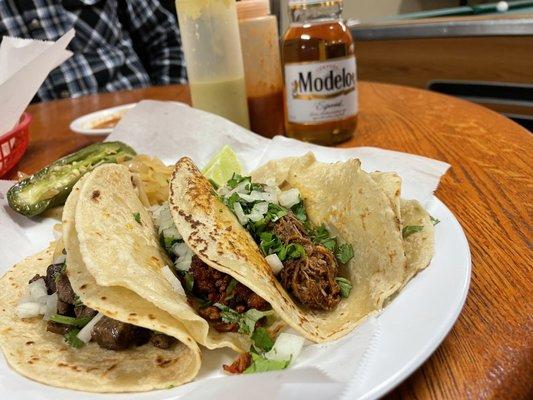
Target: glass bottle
[212,48]
[321,103]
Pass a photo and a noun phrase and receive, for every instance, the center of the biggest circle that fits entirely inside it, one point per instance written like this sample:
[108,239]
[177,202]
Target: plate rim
[423,355]
[74,124]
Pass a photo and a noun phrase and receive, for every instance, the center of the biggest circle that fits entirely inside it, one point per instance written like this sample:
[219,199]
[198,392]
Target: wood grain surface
[489,352]
[418,62]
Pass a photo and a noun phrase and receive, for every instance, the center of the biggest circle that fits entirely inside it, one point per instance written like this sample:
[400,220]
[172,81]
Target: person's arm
[155,34]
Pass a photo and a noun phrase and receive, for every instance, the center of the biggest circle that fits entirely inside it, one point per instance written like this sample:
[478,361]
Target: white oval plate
[410,330]
[84,124]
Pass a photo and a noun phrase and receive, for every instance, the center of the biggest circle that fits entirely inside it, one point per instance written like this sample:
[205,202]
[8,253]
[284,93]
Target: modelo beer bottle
[321,102]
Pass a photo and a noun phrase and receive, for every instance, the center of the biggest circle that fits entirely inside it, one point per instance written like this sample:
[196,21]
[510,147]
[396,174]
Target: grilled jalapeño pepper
[51,186]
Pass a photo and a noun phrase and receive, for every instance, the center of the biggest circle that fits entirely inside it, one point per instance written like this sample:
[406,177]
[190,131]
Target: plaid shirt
[119,45]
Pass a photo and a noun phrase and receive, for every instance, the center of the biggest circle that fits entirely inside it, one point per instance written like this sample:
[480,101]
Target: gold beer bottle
[321,102]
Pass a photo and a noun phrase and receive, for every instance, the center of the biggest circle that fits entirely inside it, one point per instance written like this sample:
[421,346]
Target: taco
[92,338]
[122,244]
[321,243]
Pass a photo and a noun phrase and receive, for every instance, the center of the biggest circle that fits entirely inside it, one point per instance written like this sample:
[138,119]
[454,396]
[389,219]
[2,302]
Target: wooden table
[489,352]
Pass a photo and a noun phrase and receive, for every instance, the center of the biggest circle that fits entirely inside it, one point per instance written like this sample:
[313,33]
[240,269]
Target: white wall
[372,9]
[368,9]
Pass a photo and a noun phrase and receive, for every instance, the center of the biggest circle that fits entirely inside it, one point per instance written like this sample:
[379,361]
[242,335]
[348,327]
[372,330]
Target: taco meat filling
[310,279]
[228,305]
[71,315]
[219,288]
[305,258]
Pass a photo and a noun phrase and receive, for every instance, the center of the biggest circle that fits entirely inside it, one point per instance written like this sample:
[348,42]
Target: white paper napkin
[24,65]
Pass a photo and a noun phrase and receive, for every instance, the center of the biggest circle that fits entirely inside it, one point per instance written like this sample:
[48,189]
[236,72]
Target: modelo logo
[308,86]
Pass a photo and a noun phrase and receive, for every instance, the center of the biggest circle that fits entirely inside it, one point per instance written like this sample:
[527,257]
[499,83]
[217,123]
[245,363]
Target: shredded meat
[310,279]
[240,364]
[215,286]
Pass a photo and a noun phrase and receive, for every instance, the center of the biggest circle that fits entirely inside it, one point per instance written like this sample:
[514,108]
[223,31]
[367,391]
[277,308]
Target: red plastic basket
[13,144]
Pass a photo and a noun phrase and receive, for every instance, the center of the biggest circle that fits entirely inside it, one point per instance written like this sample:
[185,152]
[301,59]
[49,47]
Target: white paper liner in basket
[169,130]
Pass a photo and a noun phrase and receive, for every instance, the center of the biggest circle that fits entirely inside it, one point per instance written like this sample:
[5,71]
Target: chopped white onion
[60,259]
[86,332]
[28,310]
[286,347]
[274,192]
[256,195]
[289,198]
[259,211]
[275,263]
[37,289]
[271,182]
[184,256]
[173,280]
[50,307]
[240,188]
[223,191]
[164,222]
[239,212]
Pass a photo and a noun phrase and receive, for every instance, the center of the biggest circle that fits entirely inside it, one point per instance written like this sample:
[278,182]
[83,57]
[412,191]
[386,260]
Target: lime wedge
[222,166]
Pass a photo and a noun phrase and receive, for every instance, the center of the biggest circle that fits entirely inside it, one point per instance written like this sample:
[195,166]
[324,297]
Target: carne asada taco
[122,244]
[321,243]
[91,338]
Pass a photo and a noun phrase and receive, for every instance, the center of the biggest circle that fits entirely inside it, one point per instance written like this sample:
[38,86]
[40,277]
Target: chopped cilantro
[168,241]
[214,184]
[320,235]
[231,200]
[410,229]
[299,211]
[230,289]
[72,339]
[77,322]
[262,340]
[77,302]
[271,244]
[434,220]
[345,286]
[275,212]
[292,250]
[236,179]
[268,241]
[189,281]
[246,321]
[329,243]
[137,217]
[344,253]
[262,364]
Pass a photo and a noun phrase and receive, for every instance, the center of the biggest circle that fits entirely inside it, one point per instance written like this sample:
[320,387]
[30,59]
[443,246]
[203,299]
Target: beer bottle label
[323,91]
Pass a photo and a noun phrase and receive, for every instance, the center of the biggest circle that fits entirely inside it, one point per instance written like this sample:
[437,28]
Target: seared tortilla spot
[164,363]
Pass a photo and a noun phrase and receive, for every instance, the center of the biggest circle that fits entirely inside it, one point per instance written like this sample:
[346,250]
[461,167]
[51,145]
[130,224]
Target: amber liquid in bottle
[315,40]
